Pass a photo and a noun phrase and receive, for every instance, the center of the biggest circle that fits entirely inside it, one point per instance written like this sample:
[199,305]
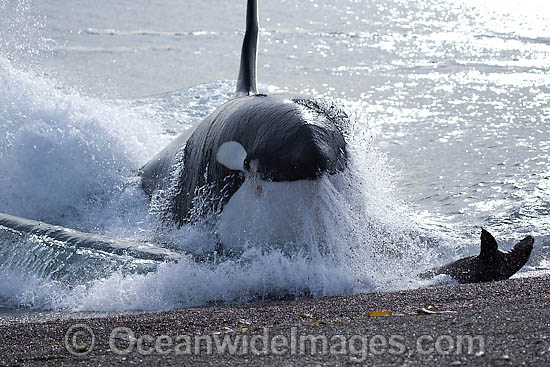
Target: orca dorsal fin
[246,84]
[489,246]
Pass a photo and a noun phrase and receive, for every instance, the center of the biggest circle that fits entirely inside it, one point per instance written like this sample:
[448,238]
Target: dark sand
[512,317]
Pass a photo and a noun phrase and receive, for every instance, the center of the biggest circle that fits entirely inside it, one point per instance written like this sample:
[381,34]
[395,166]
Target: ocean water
[450,103]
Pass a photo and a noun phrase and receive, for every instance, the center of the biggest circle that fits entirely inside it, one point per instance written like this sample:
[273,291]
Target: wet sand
[503,323]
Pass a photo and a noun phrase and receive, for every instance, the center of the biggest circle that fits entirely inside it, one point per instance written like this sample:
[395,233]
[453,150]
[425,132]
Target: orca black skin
[286,137]
[490,265]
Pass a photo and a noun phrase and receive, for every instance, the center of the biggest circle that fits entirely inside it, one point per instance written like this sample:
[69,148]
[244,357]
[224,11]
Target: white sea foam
[63,155]
[71,160]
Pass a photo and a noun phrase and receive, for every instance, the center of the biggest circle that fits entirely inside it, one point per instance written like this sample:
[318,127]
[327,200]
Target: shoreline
[505,323]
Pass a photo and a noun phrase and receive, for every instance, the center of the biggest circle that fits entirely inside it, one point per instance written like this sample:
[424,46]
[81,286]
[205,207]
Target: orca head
[288,140]
[308,145]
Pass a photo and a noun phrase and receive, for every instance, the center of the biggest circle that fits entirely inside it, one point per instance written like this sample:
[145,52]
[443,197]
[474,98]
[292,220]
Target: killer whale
[274,137]
[490,264]
[284,138]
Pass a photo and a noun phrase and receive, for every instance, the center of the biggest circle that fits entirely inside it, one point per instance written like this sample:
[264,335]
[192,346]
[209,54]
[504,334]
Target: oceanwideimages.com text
[80,340]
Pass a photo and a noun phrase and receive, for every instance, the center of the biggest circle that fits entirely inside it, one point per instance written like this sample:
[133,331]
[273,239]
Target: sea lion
[491,264]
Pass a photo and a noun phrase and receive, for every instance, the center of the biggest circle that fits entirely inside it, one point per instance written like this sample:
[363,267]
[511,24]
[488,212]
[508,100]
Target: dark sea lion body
[490,265]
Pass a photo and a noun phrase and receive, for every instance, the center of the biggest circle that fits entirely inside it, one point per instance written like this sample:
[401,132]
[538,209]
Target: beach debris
[431,310]
[123,336]
[315,316]
[547,291]
[480,353]
[243,322]
[379,313]
[224,329]
[309,315]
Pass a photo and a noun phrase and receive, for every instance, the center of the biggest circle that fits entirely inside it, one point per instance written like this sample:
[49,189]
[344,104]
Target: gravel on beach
[504,323]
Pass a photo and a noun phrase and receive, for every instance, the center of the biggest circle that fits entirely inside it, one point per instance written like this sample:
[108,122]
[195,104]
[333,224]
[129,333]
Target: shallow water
[451,108]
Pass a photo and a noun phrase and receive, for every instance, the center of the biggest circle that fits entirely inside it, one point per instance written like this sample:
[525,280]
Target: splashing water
[71,160]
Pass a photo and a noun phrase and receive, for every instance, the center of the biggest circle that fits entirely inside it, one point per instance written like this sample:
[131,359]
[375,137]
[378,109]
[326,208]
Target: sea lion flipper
[489,246]
[518,256]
